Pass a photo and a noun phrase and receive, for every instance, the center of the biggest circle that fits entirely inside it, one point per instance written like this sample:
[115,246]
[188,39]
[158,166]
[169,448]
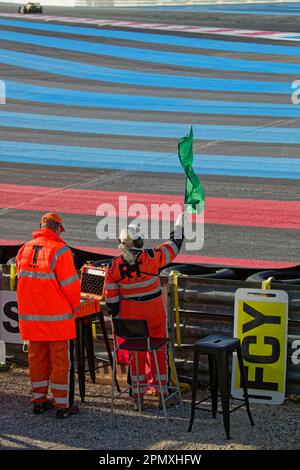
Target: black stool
[84,342]
[217,349]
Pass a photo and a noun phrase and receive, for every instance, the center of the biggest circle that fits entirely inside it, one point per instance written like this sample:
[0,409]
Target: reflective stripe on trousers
[52,361]
[146,380]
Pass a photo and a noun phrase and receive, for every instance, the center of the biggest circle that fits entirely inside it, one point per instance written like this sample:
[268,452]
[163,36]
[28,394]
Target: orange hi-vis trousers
[154,312]
[51,363]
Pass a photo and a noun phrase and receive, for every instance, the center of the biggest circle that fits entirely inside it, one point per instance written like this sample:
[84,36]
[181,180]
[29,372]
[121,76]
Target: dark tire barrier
[7,252]
[283,277]
[201,271]
[108,262]
[81,257]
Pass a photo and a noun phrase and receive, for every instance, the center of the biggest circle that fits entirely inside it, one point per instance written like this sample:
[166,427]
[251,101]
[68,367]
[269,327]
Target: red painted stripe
[226,211]
[259,33]
[220,30]
[234,262]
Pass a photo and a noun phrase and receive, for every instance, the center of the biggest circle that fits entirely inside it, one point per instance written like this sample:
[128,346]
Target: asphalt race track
[95,111]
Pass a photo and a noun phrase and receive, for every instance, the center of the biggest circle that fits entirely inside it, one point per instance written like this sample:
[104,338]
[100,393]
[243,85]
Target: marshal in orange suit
[133,290]
[48,296]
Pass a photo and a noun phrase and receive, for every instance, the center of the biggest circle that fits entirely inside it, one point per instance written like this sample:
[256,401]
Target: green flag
[194,194]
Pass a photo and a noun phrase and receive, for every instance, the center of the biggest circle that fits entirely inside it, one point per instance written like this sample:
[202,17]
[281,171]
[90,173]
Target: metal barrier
[7,277]
[206,306]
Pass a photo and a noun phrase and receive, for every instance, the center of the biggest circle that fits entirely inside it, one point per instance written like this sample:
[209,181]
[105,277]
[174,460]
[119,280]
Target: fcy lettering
[257,320]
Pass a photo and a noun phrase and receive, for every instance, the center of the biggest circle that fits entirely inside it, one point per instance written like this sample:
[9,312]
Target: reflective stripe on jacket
[139,281]
[48,288]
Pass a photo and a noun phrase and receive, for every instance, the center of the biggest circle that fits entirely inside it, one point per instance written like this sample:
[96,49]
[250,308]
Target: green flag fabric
[194,193]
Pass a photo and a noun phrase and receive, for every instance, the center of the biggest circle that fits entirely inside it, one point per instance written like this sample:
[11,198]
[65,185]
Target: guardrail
[206,306]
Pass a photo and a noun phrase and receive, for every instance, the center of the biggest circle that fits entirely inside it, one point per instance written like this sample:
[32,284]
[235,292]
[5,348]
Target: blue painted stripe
[264,167]
[106,74]
[149,129]
[153,56]
[150,38]
[41,94]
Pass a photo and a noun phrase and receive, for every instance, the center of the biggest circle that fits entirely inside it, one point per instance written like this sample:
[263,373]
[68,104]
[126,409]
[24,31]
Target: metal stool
[137,338]
[217,348]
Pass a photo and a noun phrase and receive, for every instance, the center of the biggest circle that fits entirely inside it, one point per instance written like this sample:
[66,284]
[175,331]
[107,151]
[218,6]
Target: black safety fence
[9,252]
[200,302]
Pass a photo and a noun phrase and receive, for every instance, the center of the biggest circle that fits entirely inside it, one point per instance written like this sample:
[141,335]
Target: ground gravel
[276,427]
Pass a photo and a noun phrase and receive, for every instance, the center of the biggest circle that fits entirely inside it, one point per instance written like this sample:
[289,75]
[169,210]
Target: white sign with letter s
[9,326]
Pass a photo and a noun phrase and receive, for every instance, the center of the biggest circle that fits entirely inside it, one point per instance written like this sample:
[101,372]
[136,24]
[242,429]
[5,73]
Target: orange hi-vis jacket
[138,282]
[134,291]
[48,288]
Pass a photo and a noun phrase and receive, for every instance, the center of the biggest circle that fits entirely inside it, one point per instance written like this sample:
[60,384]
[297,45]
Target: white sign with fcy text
[260,322]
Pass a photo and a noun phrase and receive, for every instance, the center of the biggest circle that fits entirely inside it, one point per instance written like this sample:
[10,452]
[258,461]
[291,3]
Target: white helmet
[130,234]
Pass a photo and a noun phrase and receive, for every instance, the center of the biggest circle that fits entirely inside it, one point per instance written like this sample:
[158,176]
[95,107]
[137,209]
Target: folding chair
[137,339]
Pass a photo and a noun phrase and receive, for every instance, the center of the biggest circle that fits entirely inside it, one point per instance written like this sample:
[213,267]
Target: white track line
[163,27]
